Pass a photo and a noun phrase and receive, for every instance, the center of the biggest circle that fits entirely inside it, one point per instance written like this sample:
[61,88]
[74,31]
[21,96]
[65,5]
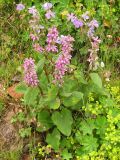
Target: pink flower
[51,48]
[38,48]
[32,10]
[66,42]
[47,6]
[93,60]
[93,24]
[49,14]
[30,75]
[96,39]
[52,37]
[20,7]
[34,37]
[70,17]
[61,65]
[95,43]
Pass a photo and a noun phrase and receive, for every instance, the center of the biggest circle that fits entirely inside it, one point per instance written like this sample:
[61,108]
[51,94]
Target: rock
[11,91]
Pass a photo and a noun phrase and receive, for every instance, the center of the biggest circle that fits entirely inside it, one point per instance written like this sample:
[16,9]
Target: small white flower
[41,27]
[107,79]
[102,64]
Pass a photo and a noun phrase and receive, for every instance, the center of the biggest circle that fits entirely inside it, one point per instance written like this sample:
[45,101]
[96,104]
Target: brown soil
[9,135]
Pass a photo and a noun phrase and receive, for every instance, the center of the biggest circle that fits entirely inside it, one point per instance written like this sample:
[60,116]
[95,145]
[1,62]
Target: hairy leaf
[31,96]
[44,121]
[63,120]
[96,79]
[54,139]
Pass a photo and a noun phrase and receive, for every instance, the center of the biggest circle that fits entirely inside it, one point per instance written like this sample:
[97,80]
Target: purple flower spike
[90,32]
[47,6]
[61,65]
[30,75]
[52,37]
[77,23]
[20,7]
[93,24]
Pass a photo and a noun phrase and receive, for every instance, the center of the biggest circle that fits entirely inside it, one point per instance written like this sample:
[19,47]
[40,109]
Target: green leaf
[63,120]
[96,79]
[87,126]
[21,88]
[66,155]
[79,75]
[52,100]
[80,151]
[65,143]
[101,124]
[44,121]
[69,85]
[89,143]
[78,136]
[54,104]
[40,65]
[25,36]
[73,99]
[43,82]
[54,139]
[52,93]
[30,96]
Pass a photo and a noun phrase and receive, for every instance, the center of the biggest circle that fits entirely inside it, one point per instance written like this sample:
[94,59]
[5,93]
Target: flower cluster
[93,57]
[95,41]
[30,75]
[52,37]
[32,10]
[61,65]
[34,21]
[92,25]
[20,7]
[35,28]
[76,22]
[38,48]
[49,14]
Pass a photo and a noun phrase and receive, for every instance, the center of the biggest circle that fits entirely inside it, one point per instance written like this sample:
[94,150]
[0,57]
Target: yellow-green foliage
[110,147]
